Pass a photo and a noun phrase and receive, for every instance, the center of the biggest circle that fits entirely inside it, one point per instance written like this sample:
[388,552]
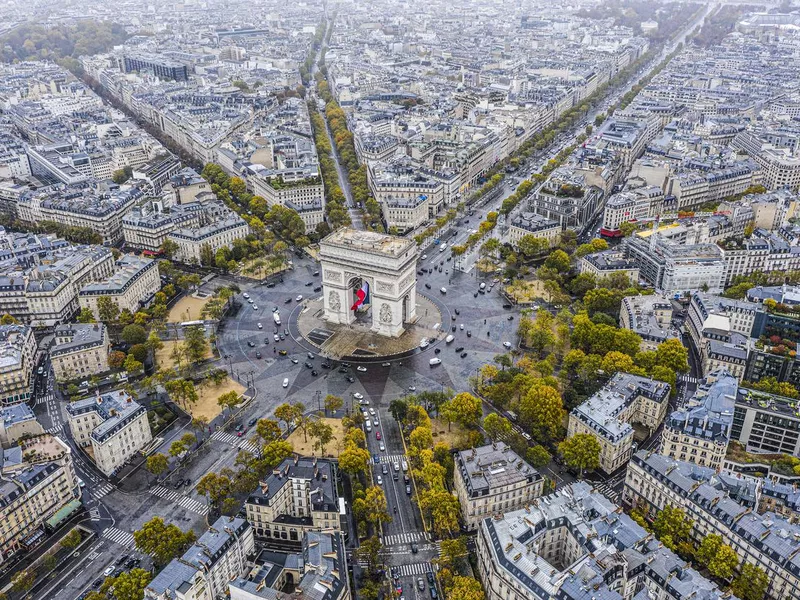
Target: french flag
[362,296]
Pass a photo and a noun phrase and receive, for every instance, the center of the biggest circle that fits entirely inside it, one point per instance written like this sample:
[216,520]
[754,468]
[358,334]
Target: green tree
[541,410]
[23,580]
[671,526]
[421,438]
[130,585]
[322,433]
[443,508]
[177,448]
[131,365]
[276,452]
[708,549]
[182,392]
[107,309]
[751,583]
[398,409]
[86,316]
[268,430]
[289,414]
[581,451]
[229,399]
[333,403]
[164,542]
[559,261]
[724,563]
[215,487]
[71,540]
[673,355]
[354,460]
[375,503]
[157,463]
[464,409]
[496,427]
[466,588]
[538,456]
[134,334]
[194,339]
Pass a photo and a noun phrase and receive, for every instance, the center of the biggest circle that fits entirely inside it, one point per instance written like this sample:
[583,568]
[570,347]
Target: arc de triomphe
[387,263]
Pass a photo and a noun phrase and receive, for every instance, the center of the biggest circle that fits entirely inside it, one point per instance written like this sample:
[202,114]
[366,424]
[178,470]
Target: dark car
[469,333]
[258,354]
[510,317]
[309,284]
[252,421]
[309,365]
[458,312]
[428,285]
[414,547]
[506,305]
[453,328]
[287,301]
[239,427]
[434,595]
[318,288]
[437,351]
[271,284]
[325,365]
[179,484]
[463,355]
[97,583]
[475,294]
[342,369]
[459,349]
[121,559]
[251,344]
[350,379]
[431,579]
[314,373]
[266,341]
[316,273]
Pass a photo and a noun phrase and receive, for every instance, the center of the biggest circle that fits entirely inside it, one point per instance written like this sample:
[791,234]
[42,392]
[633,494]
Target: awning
[63,514]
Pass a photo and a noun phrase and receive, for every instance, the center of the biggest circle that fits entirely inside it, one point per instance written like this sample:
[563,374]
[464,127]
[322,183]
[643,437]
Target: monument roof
[368,241]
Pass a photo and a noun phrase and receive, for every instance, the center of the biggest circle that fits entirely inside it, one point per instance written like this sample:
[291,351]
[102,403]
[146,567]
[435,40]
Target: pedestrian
[274,349]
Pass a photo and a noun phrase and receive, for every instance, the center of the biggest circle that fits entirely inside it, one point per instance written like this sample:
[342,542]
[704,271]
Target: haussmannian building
[493,479]
[80,350]
[132,285]
[17,362]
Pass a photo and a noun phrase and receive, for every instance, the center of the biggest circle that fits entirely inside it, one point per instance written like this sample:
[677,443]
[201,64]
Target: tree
[107,309]
[673,355]
[215,487]
[671,526]
[200,424]
[496,427]
[708,549]
[443,508]
[268,430]
[275,453]
[178,448]
[71,540]
[538,456]
[542,411]
[163,541]
[157,463]
[369,551]
[134,334]
[86,316]
[581,451]
[322,433]
[465,409]
[289,414]
[466,588]
[131,365]
[751,583]
[229,399]
[182,391]
[375,504]
[558,260]
[530,245]
[130,585]
[194,338]
[333,403]
[398,409]
[354,460]
[22,581]
[724,562]
[421,438]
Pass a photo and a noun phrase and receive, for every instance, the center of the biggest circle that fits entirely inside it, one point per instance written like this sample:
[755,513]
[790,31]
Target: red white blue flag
[362,296]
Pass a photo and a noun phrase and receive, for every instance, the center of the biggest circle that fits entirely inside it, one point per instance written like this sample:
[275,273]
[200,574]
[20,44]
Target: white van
[435,361]
[443,290]
[443,247]
[285,382]
[483,286]
[449,339]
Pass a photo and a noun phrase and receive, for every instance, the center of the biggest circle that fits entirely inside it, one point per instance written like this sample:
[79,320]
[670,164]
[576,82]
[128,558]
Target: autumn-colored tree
[164,542]
[157,463]
[581,451]
[542,410]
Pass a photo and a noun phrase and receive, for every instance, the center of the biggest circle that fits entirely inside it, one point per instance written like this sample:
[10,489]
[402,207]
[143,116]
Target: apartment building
[766,540]
[113,425]
[650,317]
[764,251]
[79,351]
[319,572]
[184,187]
[404,214]
[576,544]
[17,421]
[567,198]
[766,423]
[216,235]
[205,570]
[780,498]
[133,285]
[606,263]
[17,362]
[780,166]
[608,415]
[692,188]
[38,486]
[700,430]
[300,495]
[631,204]
[146,230]
[528,223]
[493,479]
[401,179]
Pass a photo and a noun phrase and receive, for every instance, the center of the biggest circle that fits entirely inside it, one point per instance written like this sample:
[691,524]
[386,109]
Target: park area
[187,308]
[206,405]
[452,437]
[259,268]
[305,447]
[166,359]
[527,292]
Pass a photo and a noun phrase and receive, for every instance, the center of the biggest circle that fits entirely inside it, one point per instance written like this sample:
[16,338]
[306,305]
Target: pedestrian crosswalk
[688,379]
[415,569]
[118,536]
[185,501]
[609,490]
[54,430]
[404,538]
[102,490]
[44,399]
[392,458]
[242,443]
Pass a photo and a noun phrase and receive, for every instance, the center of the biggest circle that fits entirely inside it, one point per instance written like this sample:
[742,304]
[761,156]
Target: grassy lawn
[187,309]
[206,405]
[164,355]
[441,434]
[306,448]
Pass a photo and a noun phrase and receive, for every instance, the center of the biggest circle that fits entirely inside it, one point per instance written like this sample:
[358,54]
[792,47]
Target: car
[424,256]
[506,305]
[179,484]
[412,388]
[299,298]
[246,295]
[406,478]
[358,395]
[437,351]
[408,489]
[507,344]
[122,559]
[376,458]
[510,317]
[287,301]
[382,447]
[431,578]
[434,595]
[424,343]
[316,273]
[258,355]
[274,309]
[271,284]
[372,412]
[386,364]
[252,421]
[375,421]
[108,571]
[286,332]
[266,341]
[276,337]
[284,353]
[459,349]
[314,372]
[384,468]
[475,295]
[309,283]
[365,413]
[239,427]
[318,288]
[255,306]
[461,327]
[378,435]
[310,355]
[249,300]
[453,329]
[469,333]
[399,589]
[428,286]
[361,369]
[351,379]
[414,547]
[342,369]
[326,365]
[458,312]
[280,337]
[380,480]
[463,355]
[130,563]
[420,584]
[251,344]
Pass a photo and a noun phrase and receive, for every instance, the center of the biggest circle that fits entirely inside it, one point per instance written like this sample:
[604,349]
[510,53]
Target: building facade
[80,350]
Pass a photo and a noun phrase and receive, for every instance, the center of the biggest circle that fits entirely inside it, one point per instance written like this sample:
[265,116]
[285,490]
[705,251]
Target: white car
[358,396]
[424,256]
[365,413]
[246,295]
[507,344]
[362,369]
[260,326]
[375,421]
[382,447]
[249,300]
[255,306]
[372,411]
[285,382]
[299,297]
[380,480]
[412,388]
[424,343]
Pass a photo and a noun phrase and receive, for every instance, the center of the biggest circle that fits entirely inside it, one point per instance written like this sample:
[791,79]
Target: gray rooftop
[491,467]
